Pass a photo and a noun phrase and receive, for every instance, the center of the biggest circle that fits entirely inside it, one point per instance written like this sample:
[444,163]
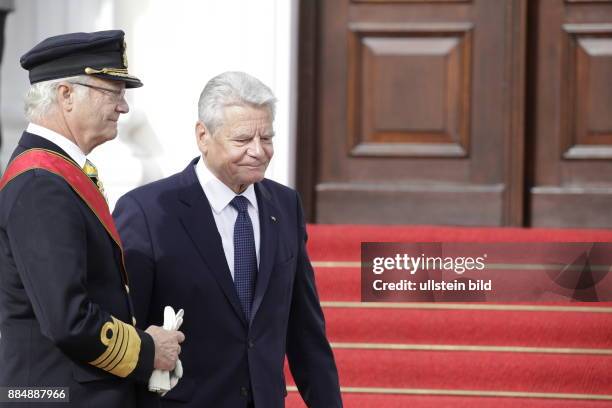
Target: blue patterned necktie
[245,258]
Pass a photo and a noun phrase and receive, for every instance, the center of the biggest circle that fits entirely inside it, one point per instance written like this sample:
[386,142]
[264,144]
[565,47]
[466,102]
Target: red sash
[76,178]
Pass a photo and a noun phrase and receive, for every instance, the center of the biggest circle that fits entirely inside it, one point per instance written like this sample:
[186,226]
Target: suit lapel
[197,219]
[268,224]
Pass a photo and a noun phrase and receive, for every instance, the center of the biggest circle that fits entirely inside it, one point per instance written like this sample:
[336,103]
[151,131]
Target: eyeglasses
[115,94]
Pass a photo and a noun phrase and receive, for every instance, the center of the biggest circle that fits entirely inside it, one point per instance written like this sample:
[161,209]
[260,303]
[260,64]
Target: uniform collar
[66,145]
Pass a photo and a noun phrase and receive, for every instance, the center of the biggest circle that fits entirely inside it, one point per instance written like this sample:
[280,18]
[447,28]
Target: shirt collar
[219,195]
[62,142]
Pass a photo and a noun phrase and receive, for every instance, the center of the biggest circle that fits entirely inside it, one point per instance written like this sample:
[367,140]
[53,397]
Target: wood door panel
[483,112]
[419,105]
[570,207]
[572,123]
[580,173]
[390,64]
[379,204]
[588,69]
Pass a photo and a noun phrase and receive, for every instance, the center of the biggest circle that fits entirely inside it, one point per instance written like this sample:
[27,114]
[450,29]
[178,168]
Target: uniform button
[244,391]
[251,344]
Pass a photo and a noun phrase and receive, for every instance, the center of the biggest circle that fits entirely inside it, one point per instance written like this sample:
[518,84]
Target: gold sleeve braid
[122,348]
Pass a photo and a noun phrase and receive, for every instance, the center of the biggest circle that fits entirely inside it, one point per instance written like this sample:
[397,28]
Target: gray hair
[232,88]
[42,95]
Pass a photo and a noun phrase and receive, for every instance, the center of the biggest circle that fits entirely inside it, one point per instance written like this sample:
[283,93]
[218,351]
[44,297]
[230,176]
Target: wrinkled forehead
[248,119]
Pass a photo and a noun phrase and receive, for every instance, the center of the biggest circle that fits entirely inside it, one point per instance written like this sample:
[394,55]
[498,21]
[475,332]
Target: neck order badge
[92,173]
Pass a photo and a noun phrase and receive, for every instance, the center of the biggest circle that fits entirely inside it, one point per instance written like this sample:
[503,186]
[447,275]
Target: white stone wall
[174,47]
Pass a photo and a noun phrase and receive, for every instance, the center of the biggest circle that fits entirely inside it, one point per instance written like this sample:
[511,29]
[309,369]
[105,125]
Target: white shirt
[219,196]
[62,142]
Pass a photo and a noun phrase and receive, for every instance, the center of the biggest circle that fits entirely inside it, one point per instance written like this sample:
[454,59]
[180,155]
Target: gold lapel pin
[273,218]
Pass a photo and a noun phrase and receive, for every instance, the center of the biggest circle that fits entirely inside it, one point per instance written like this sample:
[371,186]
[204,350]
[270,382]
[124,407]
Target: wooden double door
[456,112]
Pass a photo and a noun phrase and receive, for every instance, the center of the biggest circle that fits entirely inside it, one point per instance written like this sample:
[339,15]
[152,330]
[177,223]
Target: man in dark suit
[66,318]
[228,246]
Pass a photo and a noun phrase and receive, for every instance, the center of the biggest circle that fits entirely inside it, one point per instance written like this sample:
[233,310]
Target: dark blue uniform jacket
[65,314]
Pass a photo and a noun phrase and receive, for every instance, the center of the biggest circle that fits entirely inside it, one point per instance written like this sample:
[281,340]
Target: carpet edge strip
[467,306]
[467,393]
[469,348]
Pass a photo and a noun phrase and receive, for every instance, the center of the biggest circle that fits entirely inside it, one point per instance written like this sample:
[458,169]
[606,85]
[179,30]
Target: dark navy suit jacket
[60,281]
[175,257]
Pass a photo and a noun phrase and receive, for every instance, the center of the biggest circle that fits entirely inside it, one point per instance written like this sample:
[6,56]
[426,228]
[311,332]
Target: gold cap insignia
[125,61]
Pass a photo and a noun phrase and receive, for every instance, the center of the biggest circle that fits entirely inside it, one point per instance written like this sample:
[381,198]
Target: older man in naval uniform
[66,318]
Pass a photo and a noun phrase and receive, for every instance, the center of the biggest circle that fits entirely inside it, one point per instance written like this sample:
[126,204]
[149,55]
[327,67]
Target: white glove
[163,381]
[177,373]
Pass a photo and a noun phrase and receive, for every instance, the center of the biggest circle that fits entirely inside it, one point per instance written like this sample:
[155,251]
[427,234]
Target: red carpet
[458,355]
